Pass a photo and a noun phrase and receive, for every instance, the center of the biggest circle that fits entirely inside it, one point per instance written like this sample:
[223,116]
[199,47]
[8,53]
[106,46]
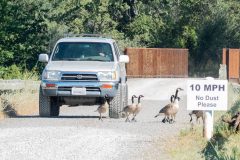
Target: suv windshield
[82,51]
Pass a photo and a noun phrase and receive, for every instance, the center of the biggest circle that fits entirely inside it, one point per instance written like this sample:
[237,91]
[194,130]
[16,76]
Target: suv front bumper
[93,89]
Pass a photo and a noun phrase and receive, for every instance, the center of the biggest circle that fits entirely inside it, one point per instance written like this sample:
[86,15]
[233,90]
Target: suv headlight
[51,75]
[107,76]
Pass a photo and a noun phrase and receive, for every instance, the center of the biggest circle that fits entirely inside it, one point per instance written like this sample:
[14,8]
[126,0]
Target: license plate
[79,91]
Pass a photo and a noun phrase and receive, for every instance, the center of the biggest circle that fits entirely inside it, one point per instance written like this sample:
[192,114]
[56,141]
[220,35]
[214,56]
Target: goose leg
[164,119]
[127,119]
[167,119]
[133,119]
[171,120]
[198,122]
[101,116]
[174,117]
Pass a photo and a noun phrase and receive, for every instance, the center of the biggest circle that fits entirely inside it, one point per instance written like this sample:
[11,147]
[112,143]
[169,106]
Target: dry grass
[24,102]
[188,145]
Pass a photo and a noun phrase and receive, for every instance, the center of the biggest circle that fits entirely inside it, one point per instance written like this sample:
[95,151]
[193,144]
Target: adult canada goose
[138,108]
[129,109]
[167,118]
[170,110]
[198,114]
[103,107]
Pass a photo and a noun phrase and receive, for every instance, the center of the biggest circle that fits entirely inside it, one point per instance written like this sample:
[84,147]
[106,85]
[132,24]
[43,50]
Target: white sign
[207,94]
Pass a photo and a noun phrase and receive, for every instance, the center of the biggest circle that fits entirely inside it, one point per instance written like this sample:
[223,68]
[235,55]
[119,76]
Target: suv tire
[125,95]
[55,108]
[115,104]
[48,106]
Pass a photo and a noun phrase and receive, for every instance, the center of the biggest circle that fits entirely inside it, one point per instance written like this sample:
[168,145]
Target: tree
[22,32]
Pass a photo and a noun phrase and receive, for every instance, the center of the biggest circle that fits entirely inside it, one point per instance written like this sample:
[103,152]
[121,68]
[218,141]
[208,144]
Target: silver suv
[82,71]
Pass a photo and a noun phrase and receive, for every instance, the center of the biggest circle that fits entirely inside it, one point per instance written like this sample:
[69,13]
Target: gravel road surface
[78,134]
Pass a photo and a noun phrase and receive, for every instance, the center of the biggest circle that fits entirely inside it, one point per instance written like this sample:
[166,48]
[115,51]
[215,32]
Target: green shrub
[15,72]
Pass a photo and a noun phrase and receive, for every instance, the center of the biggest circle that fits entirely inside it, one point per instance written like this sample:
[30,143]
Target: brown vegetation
[234,123]
[18,103]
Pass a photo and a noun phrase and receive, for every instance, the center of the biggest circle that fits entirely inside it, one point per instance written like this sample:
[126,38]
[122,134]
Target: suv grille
[96,89]
[79,77]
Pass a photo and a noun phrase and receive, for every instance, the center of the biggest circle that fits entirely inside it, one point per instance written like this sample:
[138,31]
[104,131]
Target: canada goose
[138,108]
[129,109]
[167,118]
[199,114]
[170,110]
[103,107]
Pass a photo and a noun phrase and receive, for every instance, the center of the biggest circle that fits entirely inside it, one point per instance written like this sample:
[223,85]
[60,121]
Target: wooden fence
[157,62]
[231,57]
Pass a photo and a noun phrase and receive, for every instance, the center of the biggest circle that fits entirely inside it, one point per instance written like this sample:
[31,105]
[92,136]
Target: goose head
[134,96]
[176,93]
[172,98]
[139,98]
[105,99]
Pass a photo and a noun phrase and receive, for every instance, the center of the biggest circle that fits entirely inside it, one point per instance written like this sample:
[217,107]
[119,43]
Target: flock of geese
[169,111]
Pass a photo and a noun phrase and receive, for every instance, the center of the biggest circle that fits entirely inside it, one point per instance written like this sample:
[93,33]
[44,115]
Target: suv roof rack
[85,35]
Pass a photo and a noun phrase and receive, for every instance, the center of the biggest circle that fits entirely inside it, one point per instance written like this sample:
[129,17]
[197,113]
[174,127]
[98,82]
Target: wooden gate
[231,57]
[157,62]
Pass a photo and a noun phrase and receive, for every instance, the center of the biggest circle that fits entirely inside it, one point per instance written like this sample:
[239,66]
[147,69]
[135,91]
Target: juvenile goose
[129,109]
[103,107]
[198,114]
[138,108]
[170,110]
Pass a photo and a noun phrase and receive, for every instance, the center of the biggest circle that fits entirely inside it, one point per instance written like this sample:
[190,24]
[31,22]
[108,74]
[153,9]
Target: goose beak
[134,96]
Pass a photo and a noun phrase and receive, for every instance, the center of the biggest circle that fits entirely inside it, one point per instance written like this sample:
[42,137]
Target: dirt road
[78,134]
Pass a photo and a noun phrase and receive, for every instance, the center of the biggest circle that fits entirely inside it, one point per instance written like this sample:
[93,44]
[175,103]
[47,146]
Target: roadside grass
[187,145]
[224,145]
[17,103]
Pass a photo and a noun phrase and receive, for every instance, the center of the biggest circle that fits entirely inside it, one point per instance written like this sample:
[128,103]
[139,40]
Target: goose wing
[164,109]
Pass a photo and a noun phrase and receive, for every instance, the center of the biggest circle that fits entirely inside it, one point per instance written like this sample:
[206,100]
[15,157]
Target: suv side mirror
[124,59]
[43,58]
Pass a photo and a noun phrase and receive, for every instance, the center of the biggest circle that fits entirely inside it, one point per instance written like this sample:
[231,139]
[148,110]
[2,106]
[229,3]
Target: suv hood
[82,66]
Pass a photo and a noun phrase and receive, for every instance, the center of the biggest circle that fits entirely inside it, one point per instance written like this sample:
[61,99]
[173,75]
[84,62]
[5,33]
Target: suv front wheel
[115,104]
[48,106]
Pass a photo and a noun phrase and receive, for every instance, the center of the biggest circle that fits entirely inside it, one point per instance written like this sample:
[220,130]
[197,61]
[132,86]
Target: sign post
[208,95]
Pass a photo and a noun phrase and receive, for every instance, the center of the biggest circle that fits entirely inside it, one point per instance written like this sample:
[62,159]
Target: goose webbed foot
[164,120]
[171,121]
[127,120]
[134,120]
